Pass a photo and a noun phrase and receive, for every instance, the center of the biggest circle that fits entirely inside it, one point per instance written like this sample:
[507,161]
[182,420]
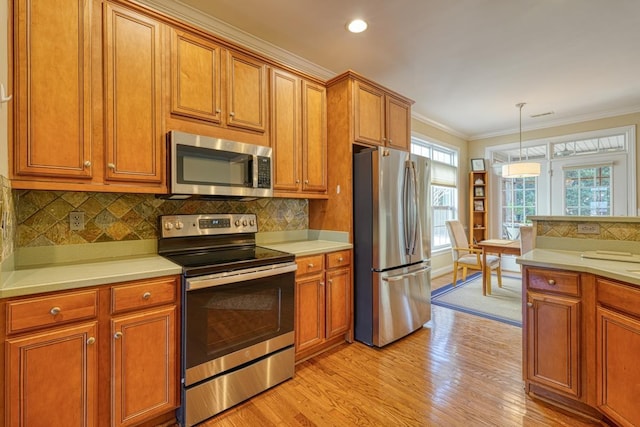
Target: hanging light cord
[520,105]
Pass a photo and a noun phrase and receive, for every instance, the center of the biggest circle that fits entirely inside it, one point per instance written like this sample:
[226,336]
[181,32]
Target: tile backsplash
[608,230]
[42,217]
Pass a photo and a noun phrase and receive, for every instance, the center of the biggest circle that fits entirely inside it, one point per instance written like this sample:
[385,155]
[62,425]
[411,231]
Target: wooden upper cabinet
[53,89]
[285,130]
[298,135]
[195,77]
[398,121]
[369,114]
[134,143]
[314,137]
[246,92]
[381,118]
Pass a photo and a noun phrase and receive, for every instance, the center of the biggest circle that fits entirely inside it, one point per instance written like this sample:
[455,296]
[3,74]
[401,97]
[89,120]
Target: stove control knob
[252,222]
[168,226]
[237,223]
[244,222]
[179,225]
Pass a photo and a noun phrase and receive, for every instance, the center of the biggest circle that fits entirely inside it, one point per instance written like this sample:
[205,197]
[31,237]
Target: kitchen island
[581,316]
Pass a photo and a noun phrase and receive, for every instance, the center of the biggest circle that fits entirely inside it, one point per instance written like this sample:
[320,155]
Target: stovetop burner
[207,244]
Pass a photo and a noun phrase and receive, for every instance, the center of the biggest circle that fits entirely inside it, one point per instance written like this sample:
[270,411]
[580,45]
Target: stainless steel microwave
[217,168]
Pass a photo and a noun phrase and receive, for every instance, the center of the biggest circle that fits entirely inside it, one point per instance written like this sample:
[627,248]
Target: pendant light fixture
[520,169]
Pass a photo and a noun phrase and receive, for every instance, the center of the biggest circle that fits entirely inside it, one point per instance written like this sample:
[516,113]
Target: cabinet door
[53,376]
[553,342]
[369,119]
[53,87]
[398,123]
[618,371]
[246,92]
[285,130]
[144,363]
[310,314]
[314,137]
[133,85]
[195,77]
[338,300]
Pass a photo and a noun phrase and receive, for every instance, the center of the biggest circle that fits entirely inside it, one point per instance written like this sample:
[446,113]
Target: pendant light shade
[520,169]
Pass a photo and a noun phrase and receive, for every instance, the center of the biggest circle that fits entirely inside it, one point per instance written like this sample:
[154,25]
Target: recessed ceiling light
[357,26]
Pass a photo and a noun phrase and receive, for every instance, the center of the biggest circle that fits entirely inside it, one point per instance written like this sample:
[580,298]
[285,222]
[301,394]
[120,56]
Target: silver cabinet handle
[87,163]
[146,295]
[551,282]
[55,310]
[91,340]
[111,165]
[117,335]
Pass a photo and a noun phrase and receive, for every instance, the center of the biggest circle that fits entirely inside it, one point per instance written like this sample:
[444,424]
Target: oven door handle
[239,276]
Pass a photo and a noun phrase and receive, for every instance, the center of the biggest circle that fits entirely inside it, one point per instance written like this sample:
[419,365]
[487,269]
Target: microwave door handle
[254,171]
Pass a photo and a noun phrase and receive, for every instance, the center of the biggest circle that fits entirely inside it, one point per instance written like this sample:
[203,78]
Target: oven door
[233,318]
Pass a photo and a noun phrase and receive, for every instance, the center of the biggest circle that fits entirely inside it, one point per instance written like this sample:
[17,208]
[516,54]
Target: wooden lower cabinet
[618,346]
[143,365]
[104,356]
[323,314]
[52,375]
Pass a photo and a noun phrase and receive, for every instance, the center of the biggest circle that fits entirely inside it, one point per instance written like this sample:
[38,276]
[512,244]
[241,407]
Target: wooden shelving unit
[478,206]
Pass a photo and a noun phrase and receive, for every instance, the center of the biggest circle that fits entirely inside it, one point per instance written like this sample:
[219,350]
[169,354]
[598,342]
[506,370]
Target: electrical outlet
[76,221]
[588,228]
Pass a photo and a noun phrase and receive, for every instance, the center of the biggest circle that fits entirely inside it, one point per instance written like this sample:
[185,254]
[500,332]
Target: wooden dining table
[495,246]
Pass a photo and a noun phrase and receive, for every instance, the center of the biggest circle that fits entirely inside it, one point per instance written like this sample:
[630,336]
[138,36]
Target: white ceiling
[466,63]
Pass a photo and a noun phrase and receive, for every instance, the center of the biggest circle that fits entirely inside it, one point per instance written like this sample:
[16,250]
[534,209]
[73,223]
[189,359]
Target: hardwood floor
[459,370]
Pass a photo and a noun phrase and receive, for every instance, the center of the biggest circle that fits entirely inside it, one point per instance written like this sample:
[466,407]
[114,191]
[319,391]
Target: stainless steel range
[237,311]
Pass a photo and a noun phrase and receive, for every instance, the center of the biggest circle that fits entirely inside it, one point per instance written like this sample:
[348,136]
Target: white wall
[4,72]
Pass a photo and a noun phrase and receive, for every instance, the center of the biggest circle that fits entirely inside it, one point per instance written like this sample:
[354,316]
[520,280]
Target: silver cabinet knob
[306,181]
[340,259]
[146,295]
[330,281]
[529,304]
[87,163]
[297,181]
[551,282]
[111,165]
[91,340]
[117,335]
[217,111]
[55,310]
[232,114]
[310,265]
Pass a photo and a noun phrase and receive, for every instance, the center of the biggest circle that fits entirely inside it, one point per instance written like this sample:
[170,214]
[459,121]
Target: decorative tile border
[7,218]
[623,231]
[43,216]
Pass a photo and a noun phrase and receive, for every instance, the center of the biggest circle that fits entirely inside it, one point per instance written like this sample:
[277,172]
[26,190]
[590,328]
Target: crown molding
[186,13]
[437,125]
[562,122]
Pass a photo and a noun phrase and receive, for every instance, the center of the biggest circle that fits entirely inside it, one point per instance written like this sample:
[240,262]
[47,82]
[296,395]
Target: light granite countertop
[48,269]
[628,272]
[308,247]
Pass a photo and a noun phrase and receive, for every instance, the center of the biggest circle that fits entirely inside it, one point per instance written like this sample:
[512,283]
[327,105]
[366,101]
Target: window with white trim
[444,192]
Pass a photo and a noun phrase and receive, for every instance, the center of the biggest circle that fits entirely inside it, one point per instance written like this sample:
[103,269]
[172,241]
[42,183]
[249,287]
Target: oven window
[227,318]
[201,166]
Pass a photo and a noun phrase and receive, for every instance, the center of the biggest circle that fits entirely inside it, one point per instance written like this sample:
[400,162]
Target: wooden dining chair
[466,256]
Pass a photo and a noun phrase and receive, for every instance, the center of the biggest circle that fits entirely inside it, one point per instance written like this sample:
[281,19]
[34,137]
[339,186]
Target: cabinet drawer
[310,264]
[39,312]
[338,259]
[148,293]
[616,295]
[554,281]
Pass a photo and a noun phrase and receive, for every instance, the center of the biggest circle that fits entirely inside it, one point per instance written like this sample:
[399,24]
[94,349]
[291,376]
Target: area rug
[504,304]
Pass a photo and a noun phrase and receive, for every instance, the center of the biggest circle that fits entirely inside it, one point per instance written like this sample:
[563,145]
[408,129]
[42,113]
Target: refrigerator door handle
[403,276]
[411,204]
[405,208]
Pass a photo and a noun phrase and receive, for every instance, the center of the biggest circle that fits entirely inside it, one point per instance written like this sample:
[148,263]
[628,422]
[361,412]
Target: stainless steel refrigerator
[392,244]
